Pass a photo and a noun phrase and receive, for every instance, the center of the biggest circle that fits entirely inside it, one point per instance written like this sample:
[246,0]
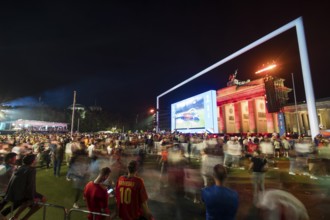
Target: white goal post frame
[309,91]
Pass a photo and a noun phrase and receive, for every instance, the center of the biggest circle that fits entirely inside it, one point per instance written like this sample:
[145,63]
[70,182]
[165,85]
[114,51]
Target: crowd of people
[98,162]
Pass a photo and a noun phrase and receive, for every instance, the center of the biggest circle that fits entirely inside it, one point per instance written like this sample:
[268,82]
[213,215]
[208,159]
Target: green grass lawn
[58,191]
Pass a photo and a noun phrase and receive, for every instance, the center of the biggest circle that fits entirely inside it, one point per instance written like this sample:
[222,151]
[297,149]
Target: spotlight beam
[266,68]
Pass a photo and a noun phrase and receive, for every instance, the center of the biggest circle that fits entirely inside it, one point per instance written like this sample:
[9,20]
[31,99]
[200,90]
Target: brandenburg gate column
[238,120]
[221,119]
[306,122]
[252,117]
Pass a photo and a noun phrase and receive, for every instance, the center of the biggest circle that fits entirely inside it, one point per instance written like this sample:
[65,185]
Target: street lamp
[154,118]
[73,109]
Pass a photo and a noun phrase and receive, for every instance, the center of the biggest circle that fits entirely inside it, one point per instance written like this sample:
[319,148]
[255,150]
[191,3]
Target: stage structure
[196,114]
[32,125]
[309,91]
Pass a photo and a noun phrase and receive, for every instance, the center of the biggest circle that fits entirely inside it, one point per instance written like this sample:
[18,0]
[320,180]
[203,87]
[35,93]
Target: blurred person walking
[75,150]
[68,153]
[163,161]
[286,146]
[58,155]
[281,205]
[234,151]
[258,166]
[79,171]
[45,153]
[176,174]
[292,158]
[205,167]
[303,148]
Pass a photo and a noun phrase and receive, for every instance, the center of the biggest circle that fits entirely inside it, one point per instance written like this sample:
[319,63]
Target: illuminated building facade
[323,113]
[243,108]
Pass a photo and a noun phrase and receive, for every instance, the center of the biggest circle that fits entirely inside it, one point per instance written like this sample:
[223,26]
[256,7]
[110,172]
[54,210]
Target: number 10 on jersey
[125,195]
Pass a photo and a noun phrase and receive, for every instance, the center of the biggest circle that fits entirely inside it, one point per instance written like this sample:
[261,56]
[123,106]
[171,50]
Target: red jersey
[97,199]
[130,194]
[164,155]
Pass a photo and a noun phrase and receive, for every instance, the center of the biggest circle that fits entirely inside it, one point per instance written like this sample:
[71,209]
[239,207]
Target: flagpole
[295,105]
[73,110]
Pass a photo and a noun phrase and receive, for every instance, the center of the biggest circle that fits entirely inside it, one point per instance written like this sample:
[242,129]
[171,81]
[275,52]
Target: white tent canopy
[32,125]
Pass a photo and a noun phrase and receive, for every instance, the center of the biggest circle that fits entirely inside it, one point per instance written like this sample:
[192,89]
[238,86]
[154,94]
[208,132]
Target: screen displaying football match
[195,114]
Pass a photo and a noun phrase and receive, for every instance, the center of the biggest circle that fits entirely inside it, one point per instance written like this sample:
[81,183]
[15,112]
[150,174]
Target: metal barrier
[5,206]
[87,212]
[45,205]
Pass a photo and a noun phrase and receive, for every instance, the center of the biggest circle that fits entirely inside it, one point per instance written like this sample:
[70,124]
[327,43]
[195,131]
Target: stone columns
[221,119]
[252,117]
[238,120]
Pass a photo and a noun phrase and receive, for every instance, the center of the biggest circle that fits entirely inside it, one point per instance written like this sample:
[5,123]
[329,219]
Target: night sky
[121,55]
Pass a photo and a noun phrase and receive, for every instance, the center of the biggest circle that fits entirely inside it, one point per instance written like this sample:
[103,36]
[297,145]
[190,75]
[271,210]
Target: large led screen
[195,114]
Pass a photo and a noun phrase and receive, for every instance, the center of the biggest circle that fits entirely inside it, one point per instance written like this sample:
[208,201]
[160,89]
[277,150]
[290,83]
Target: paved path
[166,204]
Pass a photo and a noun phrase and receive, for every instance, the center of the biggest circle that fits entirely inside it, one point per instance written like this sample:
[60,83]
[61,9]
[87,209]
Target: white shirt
[234,148]
[302,147]
[266,147]
[68,148]
[90,150]
[16,149]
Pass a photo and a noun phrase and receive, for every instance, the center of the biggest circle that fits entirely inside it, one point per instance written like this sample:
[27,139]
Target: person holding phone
[96,195]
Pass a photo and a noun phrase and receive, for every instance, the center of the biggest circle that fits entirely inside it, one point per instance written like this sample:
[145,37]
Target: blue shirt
[221,203]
